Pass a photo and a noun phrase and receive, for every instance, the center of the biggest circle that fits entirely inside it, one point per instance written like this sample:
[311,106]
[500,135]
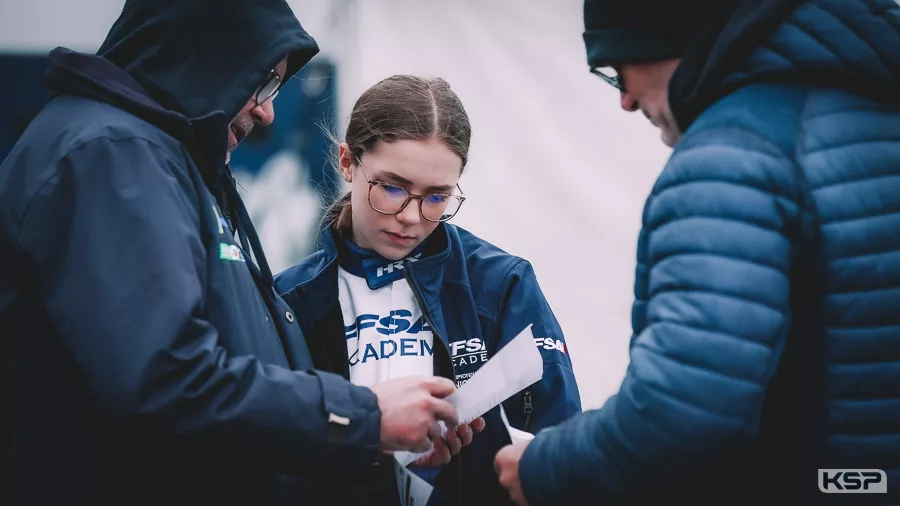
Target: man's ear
[345,162]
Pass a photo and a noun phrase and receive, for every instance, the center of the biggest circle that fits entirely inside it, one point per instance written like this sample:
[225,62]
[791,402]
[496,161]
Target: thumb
[440,387]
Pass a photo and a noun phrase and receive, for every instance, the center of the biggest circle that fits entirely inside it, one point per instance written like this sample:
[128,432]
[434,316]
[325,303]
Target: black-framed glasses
[269,89]
[611,75]
[390,199]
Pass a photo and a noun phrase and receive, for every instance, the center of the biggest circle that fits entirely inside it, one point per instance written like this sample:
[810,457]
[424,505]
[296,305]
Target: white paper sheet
[413,490]
[515,367]
[516,435]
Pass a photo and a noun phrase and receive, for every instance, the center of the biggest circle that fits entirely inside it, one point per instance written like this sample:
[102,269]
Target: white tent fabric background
[557,174]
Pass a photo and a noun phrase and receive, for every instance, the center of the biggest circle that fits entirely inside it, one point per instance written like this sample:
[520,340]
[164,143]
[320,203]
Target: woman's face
[427,167]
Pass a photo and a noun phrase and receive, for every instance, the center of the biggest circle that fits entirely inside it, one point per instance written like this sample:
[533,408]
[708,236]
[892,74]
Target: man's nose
[264,114]
[629,104]
[410,215]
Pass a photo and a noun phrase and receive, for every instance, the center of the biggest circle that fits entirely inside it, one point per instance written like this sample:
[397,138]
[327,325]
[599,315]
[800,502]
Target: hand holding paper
[445,449]
[409,408]
[515,367]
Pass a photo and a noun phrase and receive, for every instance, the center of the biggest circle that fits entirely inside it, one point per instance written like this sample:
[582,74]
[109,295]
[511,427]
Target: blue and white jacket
[476,298]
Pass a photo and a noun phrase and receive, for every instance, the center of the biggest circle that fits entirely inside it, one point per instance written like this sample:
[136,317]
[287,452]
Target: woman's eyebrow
[395,178]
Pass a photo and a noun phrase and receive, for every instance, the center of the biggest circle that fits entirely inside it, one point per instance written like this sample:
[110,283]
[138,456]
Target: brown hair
[402,107]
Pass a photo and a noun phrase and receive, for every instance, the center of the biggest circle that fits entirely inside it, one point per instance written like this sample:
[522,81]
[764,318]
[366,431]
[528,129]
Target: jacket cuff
[354,423]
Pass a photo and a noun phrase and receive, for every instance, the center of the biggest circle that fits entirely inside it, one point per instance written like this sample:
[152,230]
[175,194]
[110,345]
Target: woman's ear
[345,162]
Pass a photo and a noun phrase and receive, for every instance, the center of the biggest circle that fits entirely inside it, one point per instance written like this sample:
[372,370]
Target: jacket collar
[99,79]
[377,270]
[426,275]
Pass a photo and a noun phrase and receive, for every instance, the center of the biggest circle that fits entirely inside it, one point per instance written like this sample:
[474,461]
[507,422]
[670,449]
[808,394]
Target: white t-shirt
[387,336]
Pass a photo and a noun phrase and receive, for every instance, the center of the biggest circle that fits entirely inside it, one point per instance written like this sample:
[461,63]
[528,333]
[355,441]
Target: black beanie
[620,31]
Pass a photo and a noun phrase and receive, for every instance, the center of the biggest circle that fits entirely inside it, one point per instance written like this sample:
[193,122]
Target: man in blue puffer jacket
[766,342]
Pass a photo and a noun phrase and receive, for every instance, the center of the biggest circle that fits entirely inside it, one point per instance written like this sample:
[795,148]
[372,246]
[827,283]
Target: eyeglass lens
[390,199]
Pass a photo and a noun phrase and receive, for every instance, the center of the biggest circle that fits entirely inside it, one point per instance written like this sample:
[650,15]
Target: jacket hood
[847,44]
[197,57]
[188,67]
[95,77]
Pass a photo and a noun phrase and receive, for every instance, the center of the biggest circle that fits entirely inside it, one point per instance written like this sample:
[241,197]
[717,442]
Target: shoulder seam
[76,149]
[517,261]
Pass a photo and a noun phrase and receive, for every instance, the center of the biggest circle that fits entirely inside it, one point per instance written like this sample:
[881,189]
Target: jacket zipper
[411,280]
[528,409]
[427,315]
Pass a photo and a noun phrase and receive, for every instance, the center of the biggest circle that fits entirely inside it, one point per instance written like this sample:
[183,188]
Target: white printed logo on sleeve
[387,335]
[470,354]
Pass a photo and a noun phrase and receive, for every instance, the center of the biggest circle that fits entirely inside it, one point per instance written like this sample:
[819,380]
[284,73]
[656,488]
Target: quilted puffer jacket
[766,340]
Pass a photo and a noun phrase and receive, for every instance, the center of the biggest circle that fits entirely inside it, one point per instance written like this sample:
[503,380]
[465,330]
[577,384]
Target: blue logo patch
[377,270]
[406,347]
[380,273]
[398,322]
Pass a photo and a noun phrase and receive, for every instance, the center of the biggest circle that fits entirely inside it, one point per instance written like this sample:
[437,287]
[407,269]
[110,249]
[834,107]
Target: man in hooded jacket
[147,357]
[766,349]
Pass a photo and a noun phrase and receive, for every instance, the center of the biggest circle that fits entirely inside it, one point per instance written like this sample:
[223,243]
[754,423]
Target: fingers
[507,480]
[423,461]
[441,453]
[478,424]
[453,442]
[445,412]
[499,460]
[420,446]
[440,387]
[465,434]
[434,433]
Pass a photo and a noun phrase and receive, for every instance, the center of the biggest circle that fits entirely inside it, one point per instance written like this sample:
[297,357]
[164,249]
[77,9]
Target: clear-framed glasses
[269,89]
[390,199]
[611,75]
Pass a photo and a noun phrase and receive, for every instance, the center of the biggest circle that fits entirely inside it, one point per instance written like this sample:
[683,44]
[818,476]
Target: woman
[396,291]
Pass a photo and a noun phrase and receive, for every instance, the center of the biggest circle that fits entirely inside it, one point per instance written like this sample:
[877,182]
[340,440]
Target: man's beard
[242,125]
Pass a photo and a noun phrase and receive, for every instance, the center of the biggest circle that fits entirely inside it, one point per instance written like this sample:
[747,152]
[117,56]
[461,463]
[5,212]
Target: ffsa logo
[548,343]
[472,351]
[852,481]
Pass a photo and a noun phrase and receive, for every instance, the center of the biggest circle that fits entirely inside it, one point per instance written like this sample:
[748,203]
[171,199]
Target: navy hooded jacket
[476,298]
[147,357]
[766,320]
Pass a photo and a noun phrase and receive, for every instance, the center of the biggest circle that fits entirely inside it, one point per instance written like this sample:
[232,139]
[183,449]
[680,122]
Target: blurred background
[557,172]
